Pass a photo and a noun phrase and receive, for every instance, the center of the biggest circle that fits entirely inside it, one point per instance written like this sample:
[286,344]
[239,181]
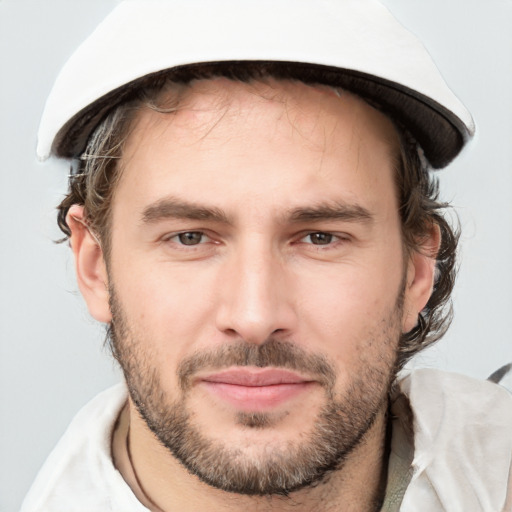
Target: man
[252,214]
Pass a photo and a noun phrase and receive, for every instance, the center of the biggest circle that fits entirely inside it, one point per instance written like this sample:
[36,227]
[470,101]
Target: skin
[264,158]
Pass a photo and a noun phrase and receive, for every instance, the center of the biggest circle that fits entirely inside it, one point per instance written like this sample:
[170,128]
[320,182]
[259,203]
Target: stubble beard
[340,426]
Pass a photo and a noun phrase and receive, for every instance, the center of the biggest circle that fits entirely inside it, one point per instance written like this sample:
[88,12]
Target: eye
[320,238]
[189,238]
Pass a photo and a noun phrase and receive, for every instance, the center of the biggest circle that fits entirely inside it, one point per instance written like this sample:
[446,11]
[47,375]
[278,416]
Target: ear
[91,272]
[420,278]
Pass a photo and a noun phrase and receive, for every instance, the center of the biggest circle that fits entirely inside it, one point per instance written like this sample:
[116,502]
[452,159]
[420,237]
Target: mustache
[271,353]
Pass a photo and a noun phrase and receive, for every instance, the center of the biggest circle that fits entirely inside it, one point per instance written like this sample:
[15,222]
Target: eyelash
[179,238]
[332,238]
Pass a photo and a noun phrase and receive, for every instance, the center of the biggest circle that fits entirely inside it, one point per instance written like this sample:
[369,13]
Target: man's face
[257,279]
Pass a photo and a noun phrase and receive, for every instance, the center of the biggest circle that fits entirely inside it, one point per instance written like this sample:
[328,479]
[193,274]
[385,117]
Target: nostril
[231,332]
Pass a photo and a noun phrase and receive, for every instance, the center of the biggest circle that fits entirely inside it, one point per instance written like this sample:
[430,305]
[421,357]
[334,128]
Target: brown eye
[191,237]
[320,238]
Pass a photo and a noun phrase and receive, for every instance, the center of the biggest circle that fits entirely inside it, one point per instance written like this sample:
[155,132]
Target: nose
[256,295]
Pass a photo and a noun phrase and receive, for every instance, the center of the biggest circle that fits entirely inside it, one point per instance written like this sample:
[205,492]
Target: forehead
[272,135]
[190,107]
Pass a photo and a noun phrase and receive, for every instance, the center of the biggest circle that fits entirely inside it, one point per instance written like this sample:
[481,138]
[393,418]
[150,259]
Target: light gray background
[52,358]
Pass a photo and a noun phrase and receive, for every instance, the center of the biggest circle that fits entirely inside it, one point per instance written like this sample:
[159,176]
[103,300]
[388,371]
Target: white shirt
[462,457]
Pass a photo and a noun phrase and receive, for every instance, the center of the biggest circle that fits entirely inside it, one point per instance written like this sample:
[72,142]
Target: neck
[162,484]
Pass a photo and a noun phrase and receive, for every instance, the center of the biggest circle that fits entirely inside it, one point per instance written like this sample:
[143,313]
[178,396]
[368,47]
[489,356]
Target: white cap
[363,46]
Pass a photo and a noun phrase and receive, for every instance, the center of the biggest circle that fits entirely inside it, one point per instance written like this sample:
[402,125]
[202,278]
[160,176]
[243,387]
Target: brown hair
[95,173]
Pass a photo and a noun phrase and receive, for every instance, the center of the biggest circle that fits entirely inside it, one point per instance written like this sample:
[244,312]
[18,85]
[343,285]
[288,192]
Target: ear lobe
[420,278]
[91,272]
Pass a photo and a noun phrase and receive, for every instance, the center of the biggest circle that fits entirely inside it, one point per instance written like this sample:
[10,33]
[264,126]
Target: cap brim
[440,133]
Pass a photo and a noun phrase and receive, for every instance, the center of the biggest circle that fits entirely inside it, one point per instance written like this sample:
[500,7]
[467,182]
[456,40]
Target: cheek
[348,309]
[165,309]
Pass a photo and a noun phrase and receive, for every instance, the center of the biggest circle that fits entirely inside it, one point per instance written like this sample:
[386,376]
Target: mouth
[255,389]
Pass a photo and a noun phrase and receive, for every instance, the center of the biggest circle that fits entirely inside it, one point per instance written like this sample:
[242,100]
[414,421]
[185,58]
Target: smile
[255,390]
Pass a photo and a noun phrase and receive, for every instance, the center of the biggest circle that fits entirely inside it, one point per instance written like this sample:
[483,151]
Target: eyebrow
[331,211]
[172,208]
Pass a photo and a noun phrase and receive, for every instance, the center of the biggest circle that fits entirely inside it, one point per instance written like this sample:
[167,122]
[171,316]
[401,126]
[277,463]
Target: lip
[255,389]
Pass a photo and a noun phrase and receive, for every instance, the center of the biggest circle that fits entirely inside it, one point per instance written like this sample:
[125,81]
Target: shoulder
[462,441]
[79,474]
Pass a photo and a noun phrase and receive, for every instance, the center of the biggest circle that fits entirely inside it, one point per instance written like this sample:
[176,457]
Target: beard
[339,427]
